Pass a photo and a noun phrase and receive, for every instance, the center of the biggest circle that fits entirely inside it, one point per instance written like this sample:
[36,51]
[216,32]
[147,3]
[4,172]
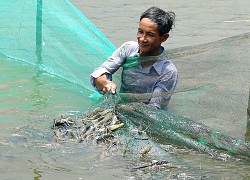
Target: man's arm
[101,77]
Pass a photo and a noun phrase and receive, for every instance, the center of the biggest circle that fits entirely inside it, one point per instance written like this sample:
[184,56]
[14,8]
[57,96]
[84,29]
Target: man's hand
[110,86]
[105,85]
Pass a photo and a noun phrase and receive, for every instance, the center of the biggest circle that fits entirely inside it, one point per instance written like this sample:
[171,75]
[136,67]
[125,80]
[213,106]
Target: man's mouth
[143,45]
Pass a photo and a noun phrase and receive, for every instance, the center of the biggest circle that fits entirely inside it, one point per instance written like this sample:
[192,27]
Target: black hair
[164,20]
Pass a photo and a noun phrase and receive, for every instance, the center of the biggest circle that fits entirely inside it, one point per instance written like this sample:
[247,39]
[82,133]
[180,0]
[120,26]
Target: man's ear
[165,37]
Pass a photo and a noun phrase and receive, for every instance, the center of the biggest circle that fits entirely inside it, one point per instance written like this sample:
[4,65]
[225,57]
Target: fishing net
[214,84]
[136,126]
[54,36]
[166,127]
[103,125]
[213,87]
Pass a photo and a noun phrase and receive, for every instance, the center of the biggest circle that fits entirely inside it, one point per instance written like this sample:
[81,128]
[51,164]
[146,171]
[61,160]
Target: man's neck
[149,59]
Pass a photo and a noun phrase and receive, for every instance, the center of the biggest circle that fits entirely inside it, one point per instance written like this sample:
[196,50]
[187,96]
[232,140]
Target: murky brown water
[197,22]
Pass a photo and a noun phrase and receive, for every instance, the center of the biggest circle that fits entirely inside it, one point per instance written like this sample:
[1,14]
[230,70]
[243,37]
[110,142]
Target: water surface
[31,99]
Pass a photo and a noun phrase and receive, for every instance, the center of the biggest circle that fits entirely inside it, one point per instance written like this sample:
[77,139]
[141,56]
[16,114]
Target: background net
[214,80]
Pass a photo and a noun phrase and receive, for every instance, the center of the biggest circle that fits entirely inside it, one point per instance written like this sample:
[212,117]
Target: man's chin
[143,51]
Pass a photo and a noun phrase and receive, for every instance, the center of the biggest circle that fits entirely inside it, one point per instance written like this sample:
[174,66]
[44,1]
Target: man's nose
[143,37]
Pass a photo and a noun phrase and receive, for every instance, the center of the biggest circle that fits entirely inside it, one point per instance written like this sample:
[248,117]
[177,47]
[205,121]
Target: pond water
[31,99]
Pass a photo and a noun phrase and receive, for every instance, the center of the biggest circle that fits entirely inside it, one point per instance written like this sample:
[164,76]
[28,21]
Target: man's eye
[140,32]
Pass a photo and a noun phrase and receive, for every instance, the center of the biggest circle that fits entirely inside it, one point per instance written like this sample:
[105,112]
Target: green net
[131,129]
[166,127]
[53,35]
[213,83]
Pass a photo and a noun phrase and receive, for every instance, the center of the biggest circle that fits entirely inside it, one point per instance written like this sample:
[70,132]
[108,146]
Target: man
[145,66]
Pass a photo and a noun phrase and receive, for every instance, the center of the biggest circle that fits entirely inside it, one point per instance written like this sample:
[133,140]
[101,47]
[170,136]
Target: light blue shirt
[159,79]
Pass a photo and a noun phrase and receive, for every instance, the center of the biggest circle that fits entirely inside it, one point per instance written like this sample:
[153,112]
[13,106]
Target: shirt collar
[158,65]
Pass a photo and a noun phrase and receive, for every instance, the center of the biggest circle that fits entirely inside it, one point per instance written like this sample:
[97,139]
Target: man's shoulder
[132,44]
[130,48]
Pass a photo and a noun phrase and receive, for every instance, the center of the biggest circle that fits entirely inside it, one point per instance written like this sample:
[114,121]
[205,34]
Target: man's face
[148,37]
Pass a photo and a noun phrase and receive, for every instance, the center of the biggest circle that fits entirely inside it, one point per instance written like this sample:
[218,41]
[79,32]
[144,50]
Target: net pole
[247,135]
[39,32]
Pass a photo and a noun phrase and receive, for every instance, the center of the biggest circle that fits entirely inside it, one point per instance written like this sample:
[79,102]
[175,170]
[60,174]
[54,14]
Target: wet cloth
[159,78]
